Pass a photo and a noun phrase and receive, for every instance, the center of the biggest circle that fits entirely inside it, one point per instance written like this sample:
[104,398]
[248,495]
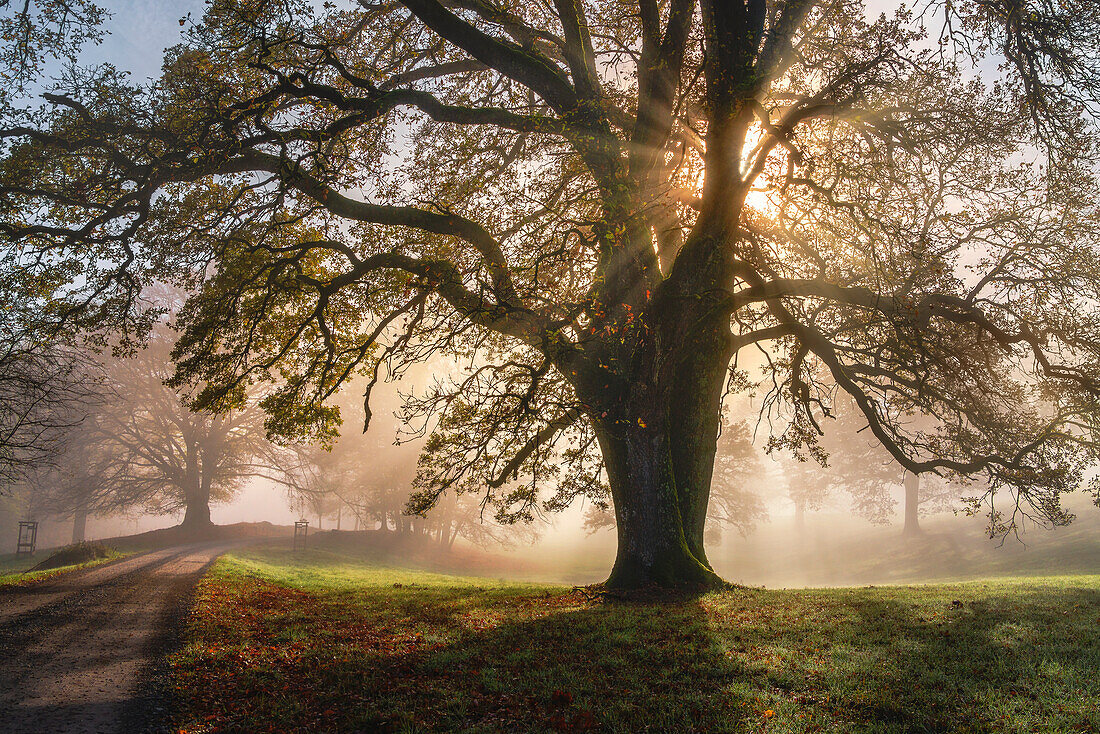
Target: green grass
[14,570]
[320,642]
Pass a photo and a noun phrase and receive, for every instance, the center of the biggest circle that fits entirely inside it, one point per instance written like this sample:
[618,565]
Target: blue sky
[140,31]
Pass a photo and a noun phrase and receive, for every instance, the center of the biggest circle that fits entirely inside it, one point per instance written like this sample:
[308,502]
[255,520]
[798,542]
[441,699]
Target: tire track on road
[77,658]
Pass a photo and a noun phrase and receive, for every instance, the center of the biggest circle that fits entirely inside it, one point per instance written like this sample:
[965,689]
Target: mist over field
[828,547]
[832,542]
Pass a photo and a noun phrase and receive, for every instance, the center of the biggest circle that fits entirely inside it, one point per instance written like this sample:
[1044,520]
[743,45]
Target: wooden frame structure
[301,529]
[28,538]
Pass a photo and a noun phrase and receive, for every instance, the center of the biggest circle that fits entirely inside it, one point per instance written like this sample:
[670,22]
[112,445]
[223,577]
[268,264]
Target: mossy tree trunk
[656,543]
[658,440]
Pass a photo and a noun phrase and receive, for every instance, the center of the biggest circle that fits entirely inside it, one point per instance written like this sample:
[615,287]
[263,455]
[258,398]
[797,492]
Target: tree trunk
[658,441]
[197,512]
[196,496]
[80,525]
[799,518]
[694,421]
[653,535]
[912,504]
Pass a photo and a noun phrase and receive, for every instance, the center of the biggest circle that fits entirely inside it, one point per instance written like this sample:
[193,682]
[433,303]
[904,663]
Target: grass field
[321,642]
[13,570]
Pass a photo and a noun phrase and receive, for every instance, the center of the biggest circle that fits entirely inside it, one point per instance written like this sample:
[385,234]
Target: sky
[141,31]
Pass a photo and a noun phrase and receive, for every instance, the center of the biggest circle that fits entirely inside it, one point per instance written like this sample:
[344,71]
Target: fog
[831,547]
[849,530]
[801,534]
[844,534]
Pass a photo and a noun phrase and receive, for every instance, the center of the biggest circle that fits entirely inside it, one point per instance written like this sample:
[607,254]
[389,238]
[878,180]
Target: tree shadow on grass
[434,660]
[918,660]
[642,668]
[464,659]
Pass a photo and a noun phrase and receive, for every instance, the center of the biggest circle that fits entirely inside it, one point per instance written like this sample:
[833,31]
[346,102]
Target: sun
[761,195]
[759,200]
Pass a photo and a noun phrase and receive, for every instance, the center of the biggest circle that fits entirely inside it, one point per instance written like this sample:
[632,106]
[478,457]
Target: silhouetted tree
[142,447]
[46,391]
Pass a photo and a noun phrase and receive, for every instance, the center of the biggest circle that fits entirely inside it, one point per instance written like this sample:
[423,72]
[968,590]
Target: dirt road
[79,653]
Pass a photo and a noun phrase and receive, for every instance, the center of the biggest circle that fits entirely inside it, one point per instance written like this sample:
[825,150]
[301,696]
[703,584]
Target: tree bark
[655,541]
[197,511]
[80,525]
[659,438]
[694,421]
[912,504]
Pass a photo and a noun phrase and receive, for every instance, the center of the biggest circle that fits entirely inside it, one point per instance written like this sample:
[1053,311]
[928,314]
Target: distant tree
[869,476]
[142,447]
[807,485]
[601,204]
[46,391]
[738,486]
[373,479]
[848,459]
[362,477]
[49,379]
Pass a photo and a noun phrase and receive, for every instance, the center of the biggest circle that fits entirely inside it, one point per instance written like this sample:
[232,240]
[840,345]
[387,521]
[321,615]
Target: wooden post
[28,537]
[301,529]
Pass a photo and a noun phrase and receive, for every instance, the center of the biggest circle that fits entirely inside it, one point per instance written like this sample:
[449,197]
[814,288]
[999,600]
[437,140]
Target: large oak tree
[610,211]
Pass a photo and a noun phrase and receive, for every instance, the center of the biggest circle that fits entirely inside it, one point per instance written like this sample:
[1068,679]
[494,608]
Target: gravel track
[80,652]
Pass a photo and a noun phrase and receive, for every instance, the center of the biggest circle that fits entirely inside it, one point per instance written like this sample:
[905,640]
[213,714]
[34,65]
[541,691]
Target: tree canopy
[47,383]
[614,213]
